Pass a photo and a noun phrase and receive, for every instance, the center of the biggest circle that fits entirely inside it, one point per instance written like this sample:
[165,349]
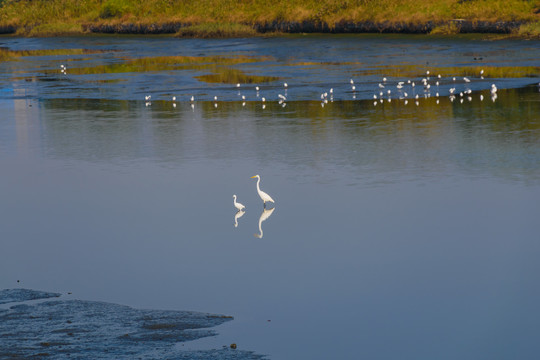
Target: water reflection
[264,216]
[237,216]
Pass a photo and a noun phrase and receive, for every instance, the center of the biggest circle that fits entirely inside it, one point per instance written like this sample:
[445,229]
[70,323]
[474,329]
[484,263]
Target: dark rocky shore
[462,26]
[67,329]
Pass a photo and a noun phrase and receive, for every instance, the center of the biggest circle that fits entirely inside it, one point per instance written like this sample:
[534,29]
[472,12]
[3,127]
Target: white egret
[285,85]
[192,98]
[257,88]
[493,88]
[174,98]
[264,196]
[466,79]
[238,85]
[237,205]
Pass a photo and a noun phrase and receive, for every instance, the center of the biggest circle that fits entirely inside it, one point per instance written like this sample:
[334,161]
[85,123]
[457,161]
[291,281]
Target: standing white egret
[237,205]
[264,196]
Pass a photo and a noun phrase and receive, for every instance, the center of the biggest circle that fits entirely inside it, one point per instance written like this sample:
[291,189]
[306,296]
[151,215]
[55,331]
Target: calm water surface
[405,231]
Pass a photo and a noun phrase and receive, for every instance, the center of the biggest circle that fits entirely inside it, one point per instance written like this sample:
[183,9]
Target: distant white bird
[238,85]
[192,98]
[352,81]
[285,85]
[482,72]
[264,196]
[174,98]
[147,97]
[263,99]
[257,88]
[384,79]
[493,88]
[353,88]
[381,86]
[237,205]
[215,98]
[331,90]
[466,79]
[282,97]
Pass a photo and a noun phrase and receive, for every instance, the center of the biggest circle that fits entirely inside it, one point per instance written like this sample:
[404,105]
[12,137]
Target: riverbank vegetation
[224,18]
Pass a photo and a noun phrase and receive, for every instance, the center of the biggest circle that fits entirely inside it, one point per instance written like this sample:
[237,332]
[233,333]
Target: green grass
[215,18]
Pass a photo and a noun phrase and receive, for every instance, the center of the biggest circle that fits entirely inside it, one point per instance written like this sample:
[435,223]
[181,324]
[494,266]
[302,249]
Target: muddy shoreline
[292,27]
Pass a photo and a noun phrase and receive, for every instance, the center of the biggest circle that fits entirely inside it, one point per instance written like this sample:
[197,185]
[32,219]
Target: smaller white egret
[147,97]
[264,196]
[285,85]
[192,98]
[257,88]
[238,85]
[237,205]
[466,79]
[493,88]
[174,98]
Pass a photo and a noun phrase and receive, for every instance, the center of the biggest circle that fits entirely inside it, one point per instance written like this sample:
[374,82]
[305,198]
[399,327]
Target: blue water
[400,230]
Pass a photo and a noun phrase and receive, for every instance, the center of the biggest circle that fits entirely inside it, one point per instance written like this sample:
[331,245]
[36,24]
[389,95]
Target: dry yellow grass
[37,17]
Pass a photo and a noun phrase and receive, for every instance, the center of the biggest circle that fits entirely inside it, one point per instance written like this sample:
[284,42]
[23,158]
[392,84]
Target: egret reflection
[264,216]
[237,216]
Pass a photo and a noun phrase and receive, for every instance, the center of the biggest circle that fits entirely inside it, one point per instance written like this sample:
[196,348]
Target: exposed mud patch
[97,330]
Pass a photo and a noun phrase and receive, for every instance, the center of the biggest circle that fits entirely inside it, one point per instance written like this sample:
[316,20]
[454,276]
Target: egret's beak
[253,177]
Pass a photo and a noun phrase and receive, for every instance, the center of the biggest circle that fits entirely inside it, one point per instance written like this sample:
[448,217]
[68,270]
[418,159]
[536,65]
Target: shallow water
[400,230]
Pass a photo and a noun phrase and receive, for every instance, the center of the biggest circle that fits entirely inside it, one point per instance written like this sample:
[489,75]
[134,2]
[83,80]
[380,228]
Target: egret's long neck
[258,188]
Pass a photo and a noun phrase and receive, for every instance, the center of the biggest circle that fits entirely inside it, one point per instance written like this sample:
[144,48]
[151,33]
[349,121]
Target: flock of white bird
[384,91]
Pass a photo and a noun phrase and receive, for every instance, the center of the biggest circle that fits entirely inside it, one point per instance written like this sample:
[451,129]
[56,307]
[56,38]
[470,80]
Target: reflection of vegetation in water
[100,130]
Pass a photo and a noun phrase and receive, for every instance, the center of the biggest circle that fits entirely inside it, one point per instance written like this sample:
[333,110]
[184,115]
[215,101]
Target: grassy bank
[245,17]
